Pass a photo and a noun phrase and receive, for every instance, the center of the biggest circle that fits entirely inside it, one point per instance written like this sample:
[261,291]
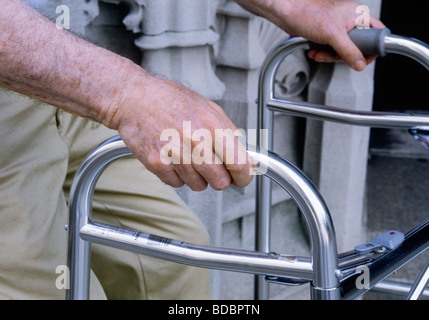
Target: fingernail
[359,65]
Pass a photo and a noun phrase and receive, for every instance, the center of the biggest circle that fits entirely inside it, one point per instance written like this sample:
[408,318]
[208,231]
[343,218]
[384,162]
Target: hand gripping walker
[331,275]
[370,42]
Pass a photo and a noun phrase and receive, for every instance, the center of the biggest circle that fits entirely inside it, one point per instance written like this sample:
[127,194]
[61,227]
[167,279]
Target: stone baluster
[176,40]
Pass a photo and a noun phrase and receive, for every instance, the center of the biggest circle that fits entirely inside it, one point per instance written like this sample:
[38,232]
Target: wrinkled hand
[150,106]
[321,21]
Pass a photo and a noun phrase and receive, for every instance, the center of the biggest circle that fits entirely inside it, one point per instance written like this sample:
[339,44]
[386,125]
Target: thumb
[349,52]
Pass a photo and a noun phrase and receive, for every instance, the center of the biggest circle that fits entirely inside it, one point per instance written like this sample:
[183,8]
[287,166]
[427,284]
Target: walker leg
[419,285]
[262,231]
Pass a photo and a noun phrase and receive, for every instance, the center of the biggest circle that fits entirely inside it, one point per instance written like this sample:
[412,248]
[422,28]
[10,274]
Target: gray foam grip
[370,41]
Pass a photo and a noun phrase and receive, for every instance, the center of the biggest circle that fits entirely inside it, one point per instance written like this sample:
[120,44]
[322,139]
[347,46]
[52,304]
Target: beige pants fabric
[41,148]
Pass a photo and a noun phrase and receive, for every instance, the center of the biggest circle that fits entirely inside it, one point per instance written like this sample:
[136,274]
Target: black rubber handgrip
[369,41]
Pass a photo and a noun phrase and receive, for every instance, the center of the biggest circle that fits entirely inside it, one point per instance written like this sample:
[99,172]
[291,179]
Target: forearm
[52,65]
[269,9]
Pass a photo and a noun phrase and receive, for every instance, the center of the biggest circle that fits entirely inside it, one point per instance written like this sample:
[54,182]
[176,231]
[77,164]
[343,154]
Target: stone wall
[217,48]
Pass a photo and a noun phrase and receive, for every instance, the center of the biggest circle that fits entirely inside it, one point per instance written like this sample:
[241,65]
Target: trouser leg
[33,210]
[129,196]
[40,149]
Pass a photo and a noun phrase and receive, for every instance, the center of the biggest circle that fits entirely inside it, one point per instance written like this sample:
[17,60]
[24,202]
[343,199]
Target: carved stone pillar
[176,41]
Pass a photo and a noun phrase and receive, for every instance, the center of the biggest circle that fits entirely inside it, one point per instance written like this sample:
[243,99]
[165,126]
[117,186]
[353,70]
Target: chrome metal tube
[198,255]
[267,104]
[369,119]
[80,208]
[82,230]
[319,223]
[412,48]
[419,286]
[396,288]
[323,245]
[265,121]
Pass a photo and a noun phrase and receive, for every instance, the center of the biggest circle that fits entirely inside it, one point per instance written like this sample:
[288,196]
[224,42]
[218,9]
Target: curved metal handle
[324,258]
[409,47]
[267,103]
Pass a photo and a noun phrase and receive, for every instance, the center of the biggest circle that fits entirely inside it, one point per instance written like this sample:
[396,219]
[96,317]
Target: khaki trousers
[41,148]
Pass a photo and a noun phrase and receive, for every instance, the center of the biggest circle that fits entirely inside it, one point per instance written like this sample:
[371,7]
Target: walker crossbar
[83,231]
[383,42]
[198,255]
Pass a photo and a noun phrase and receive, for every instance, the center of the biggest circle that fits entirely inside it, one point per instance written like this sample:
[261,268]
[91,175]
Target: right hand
[149,105]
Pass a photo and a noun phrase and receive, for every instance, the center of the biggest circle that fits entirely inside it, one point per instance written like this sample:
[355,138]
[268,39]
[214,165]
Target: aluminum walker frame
[331,275]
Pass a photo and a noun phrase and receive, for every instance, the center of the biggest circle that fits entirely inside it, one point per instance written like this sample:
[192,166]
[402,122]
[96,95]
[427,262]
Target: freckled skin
[52,65]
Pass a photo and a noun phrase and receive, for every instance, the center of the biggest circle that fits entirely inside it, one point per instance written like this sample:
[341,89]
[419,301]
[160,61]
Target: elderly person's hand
[52,65]
[56,67]
[321,21]
[179,135]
